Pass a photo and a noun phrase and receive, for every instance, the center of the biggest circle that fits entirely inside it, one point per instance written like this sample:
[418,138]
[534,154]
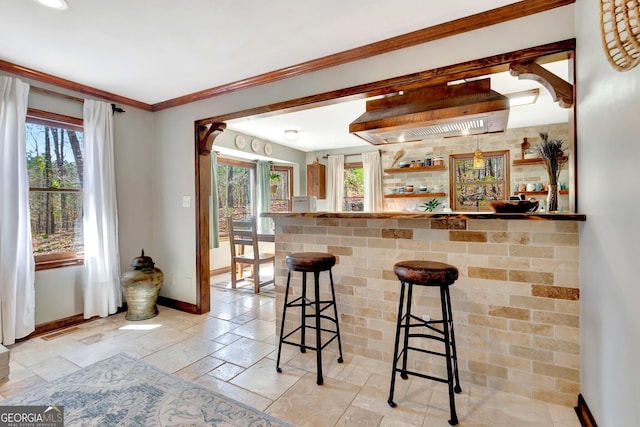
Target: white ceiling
[155,50]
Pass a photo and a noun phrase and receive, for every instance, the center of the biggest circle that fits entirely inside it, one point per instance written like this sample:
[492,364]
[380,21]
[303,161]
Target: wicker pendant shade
[620,28]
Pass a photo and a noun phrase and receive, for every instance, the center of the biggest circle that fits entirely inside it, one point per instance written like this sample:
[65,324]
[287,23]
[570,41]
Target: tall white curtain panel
[102,294]
[17,267]
[372,168]
[263,169]
[335,182]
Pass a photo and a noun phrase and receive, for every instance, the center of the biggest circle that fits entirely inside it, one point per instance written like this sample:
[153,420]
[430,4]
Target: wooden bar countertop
[542,216]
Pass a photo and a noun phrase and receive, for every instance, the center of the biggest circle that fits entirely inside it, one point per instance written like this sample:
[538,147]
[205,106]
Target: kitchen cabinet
[316,181]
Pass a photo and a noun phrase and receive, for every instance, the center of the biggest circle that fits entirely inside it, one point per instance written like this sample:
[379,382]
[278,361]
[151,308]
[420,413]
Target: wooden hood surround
[450,110]
[442,110]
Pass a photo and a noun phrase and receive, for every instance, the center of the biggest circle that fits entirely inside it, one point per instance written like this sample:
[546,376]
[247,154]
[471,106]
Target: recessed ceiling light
[54,4]
[291,134]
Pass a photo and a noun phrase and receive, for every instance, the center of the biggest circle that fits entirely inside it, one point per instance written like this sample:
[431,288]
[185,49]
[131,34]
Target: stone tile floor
[232,350]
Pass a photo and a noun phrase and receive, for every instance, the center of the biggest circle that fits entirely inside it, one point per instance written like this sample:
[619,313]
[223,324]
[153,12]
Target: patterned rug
[123,391]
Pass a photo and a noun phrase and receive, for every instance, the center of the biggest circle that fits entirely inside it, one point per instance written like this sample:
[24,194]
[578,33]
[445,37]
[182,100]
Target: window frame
[244,164]
[47,118]
[345,197]
[289,171]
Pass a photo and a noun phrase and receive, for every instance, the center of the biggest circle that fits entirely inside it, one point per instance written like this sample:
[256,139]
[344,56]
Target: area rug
[124,391]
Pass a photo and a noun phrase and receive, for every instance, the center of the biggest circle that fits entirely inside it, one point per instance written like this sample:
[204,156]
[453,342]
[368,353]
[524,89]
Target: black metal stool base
[318,306]
[425,273]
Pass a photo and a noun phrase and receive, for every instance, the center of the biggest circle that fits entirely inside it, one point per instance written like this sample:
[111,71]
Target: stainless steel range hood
[436,111]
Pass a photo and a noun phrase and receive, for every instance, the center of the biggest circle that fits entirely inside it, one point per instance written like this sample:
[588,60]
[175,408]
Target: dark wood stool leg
[284,313]
[447,349]
[335,313]
[395,347]
[316,277]
[303,309]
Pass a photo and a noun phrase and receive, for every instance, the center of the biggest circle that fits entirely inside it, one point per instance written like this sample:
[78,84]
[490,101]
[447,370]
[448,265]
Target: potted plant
[274,178]
[430,206]
[552,154]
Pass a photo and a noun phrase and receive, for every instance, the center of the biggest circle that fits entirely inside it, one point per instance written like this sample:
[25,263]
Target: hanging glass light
[478,159]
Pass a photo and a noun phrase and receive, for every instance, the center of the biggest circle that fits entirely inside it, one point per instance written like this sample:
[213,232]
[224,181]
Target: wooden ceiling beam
[560,89]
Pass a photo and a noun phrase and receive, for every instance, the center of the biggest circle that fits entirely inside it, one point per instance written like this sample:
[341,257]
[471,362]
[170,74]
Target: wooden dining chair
[243,234]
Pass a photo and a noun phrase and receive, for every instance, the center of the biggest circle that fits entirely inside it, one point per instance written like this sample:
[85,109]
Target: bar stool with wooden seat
[426,273]
[311,262]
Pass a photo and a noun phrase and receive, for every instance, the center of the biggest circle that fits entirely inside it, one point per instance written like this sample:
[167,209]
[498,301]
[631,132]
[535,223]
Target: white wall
[609,142]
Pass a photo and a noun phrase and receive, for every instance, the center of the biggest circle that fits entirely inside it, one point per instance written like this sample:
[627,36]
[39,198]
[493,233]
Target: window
[353,187]
[235,191]
[281,188]
[237,194]
[54,165]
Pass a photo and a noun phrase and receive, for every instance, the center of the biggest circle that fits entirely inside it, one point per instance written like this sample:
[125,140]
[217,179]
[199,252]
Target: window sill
[58,263]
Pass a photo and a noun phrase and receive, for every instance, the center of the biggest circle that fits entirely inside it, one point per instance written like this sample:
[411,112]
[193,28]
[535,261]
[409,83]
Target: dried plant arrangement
[552,154]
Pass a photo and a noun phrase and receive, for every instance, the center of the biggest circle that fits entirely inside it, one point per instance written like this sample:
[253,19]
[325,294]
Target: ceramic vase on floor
[141,287]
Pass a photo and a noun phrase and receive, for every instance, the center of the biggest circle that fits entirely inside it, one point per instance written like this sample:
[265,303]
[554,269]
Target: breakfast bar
[515,304]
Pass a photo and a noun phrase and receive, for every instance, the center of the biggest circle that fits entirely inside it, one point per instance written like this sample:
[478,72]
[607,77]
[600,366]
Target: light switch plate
[186,201]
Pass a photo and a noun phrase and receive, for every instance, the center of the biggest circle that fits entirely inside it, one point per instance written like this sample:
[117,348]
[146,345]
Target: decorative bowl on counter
[514,206]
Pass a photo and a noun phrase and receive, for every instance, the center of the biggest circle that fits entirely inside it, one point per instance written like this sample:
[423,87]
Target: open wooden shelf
[531,161]
[418,194]
[415,169]
[538,193]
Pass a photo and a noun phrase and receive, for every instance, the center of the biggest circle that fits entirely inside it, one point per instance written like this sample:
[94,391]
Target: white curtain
[17,268]
[263,169]
[372,167]
[335,182]
[102,294]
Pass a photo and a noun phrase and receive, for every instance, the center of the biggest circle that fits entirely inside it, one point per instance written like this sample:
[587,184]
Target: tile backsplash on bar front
[515,304]
[511,140]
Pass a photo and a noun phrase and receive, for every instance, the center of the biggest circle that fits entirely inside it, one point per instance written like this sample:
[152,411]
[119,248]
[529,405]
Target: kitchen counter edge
[546,216]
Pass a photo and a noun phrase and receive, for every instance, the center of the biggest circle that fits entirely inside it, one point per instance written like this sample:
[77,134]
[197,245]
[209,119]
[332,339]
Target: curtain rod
[356,154]
[114,107]
[60,95]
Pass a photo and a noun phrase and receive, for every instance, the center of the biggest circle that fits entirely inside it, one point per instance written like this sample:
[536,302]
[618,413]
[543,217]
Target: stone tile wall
[515,304]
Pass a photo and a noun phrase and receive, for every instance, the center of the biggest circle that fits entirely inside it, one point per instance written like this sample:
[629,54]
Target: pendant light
[478,159]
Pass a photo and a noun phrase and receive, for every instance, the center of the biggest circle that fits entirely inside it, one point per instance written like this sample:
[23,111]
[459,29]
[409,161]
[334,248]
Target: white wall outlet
[186,201]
